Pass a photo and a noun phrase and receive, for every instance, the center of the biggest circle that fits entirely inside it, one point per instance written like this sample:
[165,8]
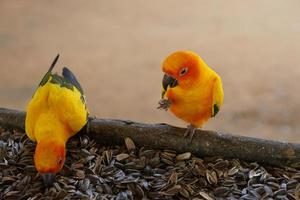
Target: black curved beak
[169,81]
[48,179]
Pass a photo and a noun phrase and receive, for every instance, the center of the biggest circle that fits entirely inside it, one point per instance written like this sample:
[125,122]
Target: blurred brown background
[116,49]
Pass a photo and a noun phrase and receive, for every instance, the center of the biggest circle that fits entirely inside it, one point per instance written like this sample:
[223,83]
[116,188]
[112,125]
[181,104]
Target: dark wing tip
[53,63]
[67,74]
[216,110]
[66,70]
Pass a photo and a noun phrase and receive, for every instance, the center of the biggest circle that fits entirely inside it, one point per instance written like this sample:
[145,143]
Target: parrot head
[181,68]
[49,158]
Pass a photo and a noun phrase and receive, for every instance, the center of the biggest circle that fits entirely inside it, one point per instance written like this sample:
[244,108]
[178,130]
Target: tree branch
[162,136]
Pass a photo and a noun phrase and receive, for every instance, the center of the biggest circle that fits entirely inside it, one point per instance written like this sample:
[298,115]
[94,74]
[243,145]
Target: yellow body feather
[55,112]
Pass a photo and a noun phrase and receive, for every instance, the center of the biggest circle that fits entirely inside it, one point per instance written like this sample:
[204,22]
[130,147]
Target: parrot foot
[164,104]
[190,132]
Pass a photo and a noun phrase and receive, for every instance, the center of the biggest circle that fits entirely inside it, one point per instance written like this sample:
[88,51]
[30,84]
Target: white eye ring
[183,71]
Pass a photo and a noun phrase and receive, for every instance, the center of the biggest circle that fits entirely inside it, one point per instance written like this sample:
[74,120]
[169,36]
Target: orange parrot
[56,112]
[191,89]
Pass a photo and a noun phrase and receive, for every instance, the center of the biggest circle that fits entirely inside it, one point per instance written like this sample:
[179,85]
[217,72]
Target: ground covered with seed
[130,172]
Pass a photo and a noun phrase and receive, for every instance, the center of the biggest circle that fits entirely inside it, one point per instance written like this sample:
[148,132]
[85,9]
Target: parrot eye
[183,71]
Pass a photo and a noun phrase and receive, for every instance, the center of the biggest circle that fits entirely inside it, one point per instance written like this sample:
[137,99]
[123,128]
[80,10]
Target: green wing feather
[67,80]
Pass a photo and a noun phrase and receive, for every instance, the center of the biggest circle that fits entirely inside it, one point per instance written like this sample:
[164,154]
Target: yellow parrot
[191,89]
[56,112]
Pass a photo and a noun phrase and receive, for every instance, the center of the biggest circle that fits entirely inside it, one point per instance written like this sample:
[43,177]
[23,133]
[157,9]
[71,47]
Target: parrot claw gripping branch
[190,131]
[56,112]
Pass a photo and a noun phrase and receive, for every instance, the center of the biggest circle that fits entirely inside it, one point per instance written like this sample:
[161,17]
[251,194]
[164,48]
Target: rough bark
[163,136]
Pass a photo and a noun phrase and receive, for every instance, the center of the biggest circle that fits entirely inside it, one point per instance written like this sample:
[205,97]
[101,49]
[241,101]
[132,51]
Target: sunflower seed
[122,156]
[205,195]
[129,144]
[183,156]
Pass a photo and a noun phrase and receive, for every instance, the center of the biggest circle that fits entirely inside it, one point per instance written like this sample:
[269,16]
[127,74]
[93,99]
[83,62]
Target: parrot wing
[67,74]
[71,109]
[68,80]
[218,96]
[70,102]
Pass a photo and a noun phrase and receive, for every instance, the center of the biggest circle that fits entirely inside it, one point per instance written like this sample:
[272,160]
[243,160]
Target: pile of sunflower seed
[128,172]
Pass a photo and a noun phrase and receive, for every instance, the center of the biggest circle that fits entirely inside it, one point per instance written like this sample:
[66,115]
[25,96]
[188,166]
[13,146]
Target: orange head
[49,158]
[184,67]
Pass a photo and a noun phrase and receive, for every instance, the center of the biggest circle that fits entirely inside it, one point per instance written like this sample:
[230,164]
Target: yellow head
[184,67]
[49,158]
